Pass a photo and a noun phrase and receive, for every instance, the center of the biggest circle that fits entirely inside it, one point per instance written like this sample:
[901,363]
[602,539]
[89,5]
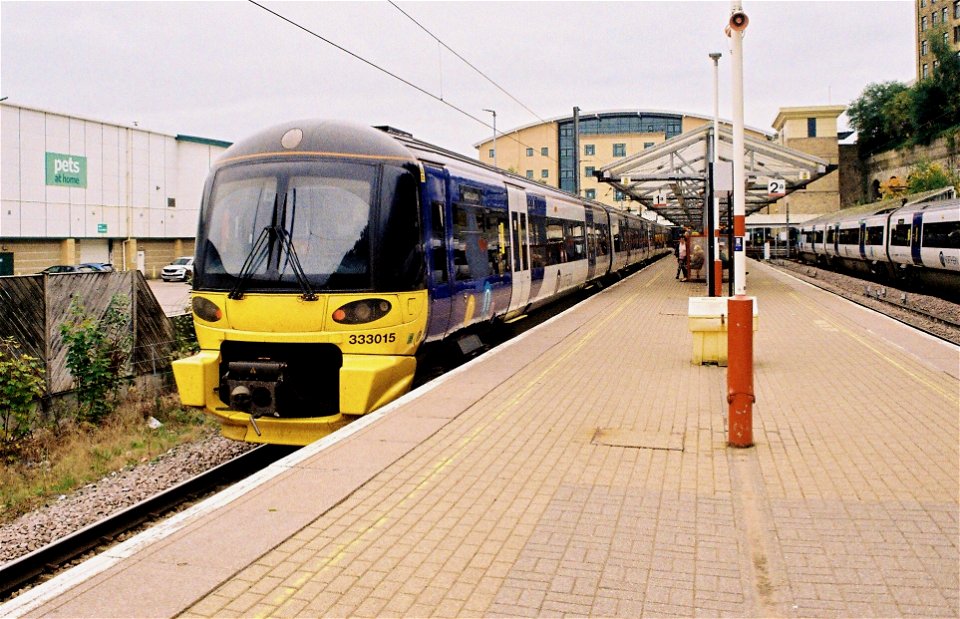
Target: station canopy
[670,179]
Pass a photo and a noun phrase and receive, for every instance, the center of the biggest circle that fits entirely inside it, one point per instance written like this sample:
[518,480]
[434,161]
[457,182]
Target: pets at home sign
[66,170]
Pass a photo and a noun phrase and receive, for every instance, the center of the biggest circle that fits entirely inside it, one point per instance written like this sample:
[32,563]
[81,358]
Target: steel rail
[24,570]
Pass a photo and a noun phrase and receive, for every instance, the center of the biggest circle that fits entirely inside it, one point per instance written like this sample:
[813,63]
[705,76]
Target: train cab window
[942,235]
[399,260]
[900,234]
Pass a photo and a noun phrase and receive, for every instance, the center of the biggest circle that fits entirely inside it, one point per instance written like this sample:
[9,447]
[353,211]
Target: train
[917,243]
[329,253]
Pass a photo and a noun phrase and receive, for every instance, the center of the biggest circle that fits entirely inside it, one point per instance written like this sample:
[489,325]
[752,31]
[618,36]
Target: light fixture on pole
[715,283]
[494,112]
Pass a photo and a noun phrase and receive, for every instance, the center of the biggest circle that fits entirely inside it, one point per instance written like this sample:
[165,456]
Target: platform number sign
[777,188]
[660,199]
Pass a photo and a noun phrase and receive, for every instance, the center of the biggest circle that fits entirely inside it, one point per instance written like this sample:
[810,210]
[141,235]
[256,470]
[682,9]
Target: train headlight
[207,310]
[359,312]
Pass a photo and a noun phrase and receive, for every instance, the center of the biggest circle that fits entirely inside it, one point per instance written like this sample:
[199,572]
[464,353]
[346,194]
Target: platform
[582,469]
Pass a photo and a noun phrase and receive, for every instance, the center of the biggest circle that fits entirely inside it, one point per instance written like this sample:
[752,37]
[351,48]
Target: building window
[588,171]
[619,196]
[591,149]
[529,173]
[945,15]
[923,47]
[647,145]
[926,71]
[544,173]
[619,150]
[529,152]
[811,127]
[934,19]
[491,153]
[956,34]
[923,24]
[956,9]
[590,194]
[923,3]
[545,151]
[946,38]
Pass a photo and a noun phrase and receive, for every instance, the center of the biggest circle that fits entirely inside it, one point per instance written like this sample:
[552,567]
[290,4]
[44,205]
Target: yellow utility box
[707,320]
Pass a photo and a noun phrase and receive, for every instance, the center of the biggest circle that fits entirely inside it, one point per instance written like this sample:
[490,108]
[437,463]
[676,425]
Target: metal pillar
[740,394]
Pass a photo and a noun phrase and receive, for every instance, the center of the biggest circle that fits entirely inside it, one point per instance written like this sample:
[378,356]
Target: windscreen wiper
[254,259]
[286,243]
[260,252]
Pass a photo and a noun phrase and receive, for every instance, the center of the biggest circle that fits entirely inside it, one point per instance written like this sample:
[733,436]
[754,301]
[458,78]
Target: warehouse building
[75,190]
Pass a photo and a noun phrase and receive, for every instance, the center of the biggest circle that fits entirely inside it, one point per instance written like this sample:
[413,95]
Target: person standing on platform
[681,254]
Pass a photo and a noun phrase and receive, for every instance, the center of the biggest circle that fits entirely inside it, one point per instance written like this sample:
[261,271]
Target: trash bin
[707,320]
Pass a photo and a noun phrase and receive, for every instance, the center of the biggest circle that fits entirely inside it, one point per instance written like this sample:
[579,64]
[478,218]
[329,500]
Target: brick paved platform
[583,470]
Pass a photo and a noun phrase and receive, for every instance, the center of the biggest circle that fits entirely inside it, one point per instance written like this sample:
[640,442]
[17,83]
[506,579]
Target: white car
[180,270]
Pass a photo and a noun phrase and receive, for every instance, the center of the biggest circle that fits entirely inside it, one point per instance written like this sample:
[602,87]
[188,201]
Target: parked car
[69,268]
[180,270]
[98,266]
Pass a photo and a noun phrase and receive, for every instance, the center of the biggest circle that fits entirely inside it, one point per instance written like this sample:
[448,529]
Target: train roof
[319,138]
[910,202]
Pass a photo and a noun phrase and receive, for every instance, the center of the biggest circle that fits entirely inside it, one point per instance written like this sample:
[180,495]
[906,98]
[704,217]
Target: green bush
[97,356]
[21,387]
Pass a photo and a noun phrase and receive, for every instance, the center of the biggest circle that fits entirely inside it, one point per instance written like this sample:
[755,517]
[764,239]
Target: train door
[517,205]
[591,231]
[915,237]
[437,230]
[863,239]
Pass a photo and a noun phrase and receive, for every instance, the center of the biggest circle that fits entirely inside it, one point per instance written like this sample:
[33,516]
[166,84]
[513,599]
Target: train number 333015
[371,338]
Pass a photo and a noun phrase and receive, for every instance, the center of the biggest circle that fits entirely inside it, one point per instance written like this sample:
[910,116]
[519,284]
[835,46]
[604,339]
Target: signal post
[740,394]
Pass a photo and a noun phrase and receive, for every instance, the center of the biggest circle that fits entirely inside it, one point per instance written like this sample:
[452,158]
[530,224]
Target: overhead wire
[393,75]
[467,62]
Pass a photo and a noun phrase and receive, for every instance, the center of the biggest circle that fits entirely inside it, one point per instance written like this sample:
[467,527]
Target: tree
[936,99]
[869,115]
[926,176]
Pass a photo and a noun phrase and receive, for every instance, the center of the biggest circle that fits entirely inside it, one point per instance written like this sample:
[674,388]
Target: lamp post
[715,286]
[494,112]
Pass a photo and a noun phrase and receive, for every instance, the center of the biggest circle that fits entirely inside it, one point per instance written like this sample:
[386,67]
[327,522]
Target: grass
[51,463]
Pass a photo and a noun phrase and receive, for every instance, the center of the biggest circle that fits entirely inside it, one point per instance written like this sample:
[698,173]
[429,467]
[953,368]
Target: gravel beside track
[117,491]
[855,288]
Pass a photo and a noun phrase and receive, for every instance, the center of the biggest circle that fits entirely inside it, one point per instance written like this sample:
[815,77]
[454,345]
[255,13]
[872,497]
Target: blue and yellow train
[328,253]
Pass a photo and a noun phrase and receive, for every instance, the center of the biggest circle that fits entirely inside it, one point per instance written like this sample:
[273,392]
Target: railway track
[893,303]
[26,570]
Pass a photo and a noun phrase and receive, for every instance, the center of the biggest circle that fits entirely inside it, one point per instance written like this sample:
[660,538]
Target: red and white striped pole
[740,394]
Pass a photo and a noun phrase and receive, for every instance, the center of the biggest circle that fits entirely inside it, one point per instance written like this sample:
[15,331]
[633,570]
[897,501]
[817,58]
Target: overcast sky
[224,70]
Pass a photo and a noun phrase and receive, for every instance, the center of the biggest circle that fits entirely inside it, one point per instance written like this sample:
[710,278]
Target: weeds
[51,462]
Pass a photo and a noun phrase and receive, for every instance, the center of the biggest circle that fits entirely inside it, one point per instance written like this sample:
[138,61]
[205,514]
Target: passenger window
[438,246]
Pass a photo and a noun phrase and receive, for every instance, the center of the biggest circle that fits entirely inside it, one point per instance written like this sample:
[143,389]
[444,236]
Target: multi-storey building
[546,152]
[935,18]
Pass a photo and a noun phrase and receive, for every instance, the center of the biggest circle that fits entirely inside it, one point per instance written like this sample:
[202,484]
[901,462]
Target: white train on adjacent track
[917,243]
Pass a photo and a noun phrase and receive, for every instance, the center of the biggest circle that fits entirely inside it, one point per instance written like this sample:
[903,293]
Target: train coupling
[252,386]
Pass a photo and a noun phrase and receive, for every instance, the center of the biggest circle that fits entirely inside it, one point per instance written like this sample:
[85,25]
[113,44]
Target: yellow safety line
[951,397]
[443,463]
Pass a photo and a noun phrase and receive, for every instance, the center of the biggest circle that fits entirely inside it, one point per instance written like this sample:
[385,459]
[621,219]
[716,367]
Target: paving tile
[488,497]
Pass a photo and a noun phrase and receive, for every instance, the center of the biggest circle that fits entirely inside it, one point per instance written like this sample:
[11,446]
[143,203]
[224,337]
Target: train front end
[309,296]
